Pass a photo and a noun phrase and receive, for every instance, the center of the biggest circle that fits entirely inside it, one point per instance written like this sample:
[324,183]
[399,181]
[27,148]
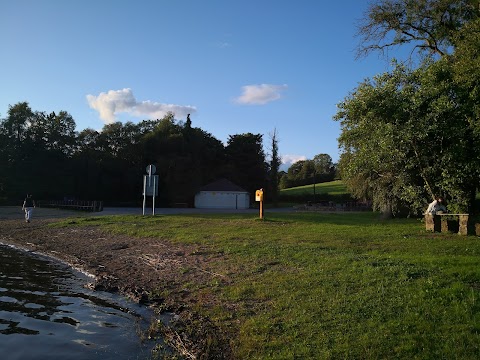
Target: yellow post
[261,209]
[259,198]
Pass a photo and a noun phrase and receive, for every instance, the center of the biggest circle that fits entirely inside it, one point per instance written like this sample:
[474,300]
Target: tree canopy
[246,164]
[42,154]
[304,172]
[428,25]
[410,135]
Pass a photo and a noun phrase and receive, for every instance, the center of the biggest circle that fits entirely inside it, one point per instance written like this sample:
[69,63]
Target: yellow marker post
[259,198]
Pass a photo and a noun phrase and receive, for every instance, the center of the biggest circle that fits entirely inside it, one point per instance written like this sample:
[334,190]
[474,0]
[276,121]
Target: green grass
[336,187]
[318,286]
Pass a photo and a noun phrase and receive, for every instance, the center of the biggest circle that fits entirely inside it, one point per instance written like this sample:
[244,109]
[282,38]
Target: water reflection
[46,313]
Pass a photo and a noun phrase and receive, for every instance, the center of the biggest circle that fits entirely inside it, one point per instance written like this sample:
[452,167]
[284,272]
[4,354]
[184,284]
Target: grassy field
[332,191]
[319,286]
[336,187]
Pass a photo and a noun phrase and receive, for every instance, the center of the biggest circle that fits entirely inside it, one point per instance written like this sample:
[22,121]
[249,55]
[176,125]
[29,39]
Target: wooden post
[259,198]
[261,209]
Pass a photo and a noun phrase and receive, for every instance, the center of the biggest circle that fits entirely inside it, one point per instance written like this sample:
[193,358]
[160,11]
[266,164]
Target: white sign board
[151,185]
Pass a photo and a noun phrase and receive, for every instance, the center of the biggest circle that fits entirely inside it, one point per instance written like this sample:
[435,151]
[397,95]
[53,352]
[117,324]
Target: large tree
[427,25]
[274,167]
[405,140]
[54,132]
[324,165]
[466,68]
[35,149]
[246,161]
[410,135]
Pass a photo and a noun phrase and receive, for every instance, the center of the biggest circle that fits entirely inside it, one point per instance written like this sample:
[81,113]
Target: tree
[275,163]
[186,158]
[410,135]
[4,166]
[17,123]
[35,151]
[428,25]
[88,160]
[324,168]
[466,68]
[307,172]
[55,133]
[323,163]
[246,161]
[404,139]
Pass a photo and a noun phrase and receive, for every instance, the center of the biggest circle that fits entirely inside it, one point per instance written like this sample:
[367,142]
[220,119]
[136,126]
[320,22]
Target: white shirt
[434,207]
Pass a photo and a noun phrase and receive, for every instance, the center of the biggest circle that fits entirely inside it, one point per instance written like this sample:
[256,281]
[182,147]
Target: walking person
[28,206]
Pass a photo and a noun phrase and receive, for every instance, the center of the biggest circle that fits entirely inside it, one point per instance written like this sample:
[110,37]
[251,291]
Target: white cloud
[122,101]
[288,160]
[260,94]
[223,44]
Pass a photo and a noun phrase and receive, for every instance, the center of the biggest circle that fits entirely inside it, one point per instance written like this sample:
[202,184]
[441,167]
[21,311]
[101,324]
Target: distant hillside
[336,187]
[331,191]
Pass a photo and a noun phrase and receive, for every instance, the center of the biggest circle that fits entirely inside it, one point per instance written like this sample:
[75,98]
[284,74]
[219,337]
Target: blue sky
[236,66]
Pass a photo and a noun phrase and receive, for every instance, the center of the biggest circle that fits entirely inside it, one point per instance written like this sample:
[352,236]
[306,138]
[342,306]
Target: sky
[235,66]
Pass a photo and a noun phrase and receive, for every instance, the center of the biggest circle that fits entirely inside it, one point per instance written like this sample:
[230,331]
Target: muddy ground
[148,270]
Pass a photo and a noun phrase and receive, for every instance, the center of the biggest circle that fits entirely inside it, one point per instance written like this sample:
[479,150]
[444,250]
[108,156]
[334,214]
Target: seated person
[436,207]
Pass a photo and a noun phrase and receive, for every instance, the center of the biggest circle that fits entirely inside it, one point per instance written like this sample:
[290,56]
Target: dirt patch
[151,271]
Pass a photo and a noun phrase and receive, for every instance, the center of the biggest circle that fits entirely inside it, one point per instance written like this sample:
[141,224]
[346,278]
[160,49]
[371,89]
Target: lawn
[317,286]
[335,191]
[336,187]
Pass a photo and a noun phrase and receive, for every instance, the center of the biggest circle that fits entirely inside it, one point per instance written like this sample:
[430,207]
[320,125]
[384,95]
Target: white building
[222,194]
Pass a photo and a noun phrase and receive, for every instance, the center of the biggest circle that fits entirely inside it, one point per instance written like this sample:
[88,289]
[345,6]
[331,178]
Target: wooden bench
[447,223]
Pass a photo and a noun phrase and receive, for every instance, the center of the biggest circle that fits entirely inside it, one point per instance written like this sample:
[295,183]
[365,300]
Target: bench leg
[463,225]
[444,224]
[434,223]
[429,223]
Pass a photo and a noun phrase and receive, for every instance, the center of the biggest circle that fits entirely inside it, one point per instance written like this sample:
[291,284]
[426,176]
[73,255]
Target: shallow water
[46,313]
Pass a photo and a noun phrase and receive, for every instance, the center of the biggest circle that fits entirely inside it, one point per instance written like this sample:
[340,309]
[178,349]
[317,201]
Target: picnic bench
[447,223]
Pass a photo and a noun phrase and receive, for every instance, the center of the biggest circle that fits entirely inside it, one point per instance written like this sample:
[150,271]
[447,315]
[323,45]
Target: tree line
[412,134]
[305,172]
[41,153]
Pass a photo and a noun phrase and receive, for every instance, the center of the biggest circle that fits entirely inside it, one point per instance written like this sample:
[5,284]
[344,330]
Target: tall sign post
[144,194]
[259,198]
[314,192]
[150,186]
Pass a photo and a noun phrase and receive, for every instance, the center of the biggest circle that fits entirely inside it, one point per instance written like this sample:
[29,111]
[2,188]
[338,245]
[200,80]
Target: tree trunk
[386,211]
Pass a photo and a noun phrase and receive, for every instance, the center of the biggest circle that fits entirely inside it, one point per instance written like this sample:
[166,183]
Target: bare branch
[397,22]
